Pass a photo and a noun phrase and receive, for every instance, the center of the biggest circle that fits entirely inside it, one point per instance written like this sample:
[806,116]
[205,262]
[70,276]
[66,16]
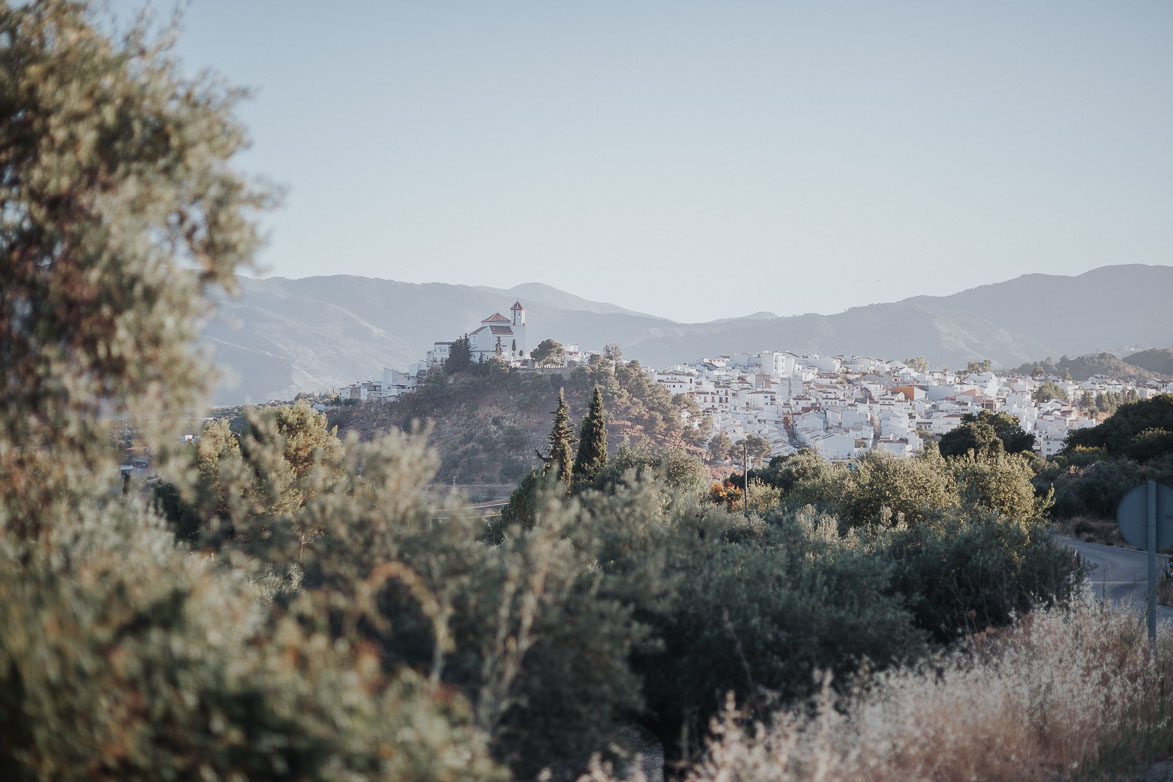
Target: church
[501,336]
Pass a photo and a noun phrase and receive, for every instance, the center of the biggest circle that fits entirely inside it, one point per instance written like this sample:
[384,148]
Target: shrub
[123,657]
[883,487]
[1000,483]
[969,573]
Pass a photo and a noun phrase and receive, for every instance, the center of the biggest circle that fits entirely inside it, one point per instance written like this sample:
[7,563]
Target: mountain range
[285,335]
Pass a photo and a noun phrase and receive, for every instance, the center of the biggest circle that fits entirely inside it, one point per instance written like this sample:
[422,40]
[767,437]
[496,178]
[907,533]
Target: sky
[703,160]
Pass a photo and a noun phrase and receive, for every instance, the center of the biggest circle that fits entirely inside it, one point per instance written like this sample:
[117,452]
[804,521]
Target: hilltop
[489,423]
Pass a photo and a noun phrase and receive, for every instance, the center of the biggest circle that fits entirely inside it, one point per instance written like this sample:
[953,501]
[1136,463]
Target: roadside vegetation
[1099,465]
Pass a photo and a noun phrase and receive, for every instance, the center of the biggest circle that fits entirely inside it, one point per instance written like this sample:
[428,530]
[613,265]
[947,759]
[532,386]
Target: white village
[839,406]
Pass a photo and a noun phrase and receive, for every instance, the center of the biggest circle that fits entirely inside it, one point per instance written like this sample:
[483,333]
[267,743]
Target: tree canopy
[549,353]
[1140,430]
[986,433]
[118,212]
[459,355]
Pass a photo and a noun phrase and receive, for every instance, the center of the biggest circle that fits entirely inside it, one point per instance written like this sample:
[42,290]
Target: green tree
[549,353]
[122,656]
[1050,390]
[118,212]
[559,460]
[459,355]
[883,488]
[975,367]
[758,448]
[719,446]
[218,464]
[1001,483]
[1139,430]
[986,432]
[592,441]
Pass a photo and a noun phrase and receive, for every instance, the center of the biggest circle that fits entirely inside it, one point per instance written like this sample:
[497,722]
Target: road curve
[1119,575]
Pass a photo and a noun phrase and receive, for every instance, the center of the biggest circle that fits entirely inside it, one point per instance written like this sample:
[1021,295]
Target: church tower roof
[516,306]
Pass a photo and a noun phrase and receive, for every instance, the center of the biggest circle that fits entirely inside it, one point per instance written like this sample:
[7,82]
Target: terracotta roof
[501,329]
[496,317]
[478,331]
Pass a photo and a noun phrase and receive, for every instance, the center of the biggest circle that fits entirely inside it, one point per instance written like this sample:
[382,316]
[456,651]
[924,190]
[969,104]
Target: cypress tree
[560,462]
[592,442]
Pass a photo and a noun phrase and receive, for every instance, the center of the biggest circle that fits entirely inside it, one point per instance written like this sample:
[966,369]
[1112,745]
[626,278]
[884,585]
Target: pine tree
[560,461]
[592,445]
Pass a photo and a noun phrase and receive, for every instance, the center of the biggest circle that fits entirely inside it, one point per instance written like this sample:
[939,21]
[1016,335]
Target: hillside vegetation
[1084,367]
[1157,360]
[1099,465]
[489,422]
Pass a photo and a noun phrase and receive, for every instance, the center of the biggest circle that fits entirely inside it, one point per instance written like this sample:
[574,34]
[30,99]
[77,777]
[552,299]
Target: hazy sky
[705,160]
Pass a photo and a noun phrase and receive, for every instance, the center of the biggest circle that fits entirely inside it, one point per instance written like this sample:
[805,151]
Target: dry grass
[1066,694]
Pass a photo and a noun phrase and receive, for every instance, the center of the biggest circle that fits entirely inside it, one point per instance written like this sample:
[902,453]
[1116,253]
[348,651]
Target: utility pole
[745,464]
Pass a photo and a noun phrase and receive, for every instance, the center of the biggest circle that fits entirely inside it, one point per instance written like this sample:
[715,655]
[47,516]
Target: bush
[1000,483]
[123,657]
[970,573]
[882,488]
[760,620]
[1096,489]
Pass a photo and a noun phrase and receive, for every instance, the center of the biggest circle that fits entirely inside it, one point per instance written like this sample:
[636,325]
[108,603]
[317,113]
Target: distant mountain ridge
[285,335]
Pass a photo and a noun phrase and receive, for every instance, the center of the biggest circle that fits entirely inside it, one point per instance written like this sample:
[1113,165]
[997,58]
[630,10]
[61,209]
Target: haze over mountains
[287,335]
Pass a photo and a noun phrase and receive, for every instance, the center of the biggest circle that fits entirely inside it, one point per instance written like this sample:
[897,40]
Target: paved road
[1119,574]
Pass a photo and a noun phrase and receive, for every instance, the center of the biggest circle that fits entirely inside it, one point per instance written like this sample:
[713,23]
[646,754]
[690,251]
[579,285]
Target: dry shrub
[1064,693]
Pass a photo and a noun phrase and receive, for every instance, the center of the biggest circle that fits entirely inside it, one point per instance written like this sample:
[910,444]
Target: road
[1119,574]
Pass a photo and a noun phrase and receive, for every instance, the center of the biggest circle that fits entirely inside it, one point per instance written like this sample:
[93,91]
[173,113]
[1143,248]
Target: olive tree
[119,212]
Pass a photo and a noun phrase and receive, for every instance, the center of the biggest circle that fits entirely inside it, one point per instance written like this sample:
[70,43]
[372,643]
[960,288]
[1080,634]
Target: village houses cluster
[842,406]
[839,406]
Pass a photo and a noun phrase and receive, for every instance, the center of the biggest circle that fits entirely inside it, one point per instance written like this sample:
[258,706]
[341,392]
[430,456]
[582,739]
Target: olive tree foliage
[988,433]
[879,488]
[123,655]
[119,211]
[139,661]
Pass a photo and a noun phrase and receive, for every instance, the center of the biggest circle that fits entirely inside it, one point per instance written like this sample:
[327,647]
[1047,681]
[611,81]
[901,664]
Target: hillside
[1084,367]
[489,423]
[284,336]
[1158,360]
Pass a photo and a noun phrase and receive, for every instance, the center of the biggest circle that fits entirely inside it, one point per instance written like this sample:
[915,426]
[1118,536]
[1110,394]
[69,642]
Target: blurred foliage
[118,212]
